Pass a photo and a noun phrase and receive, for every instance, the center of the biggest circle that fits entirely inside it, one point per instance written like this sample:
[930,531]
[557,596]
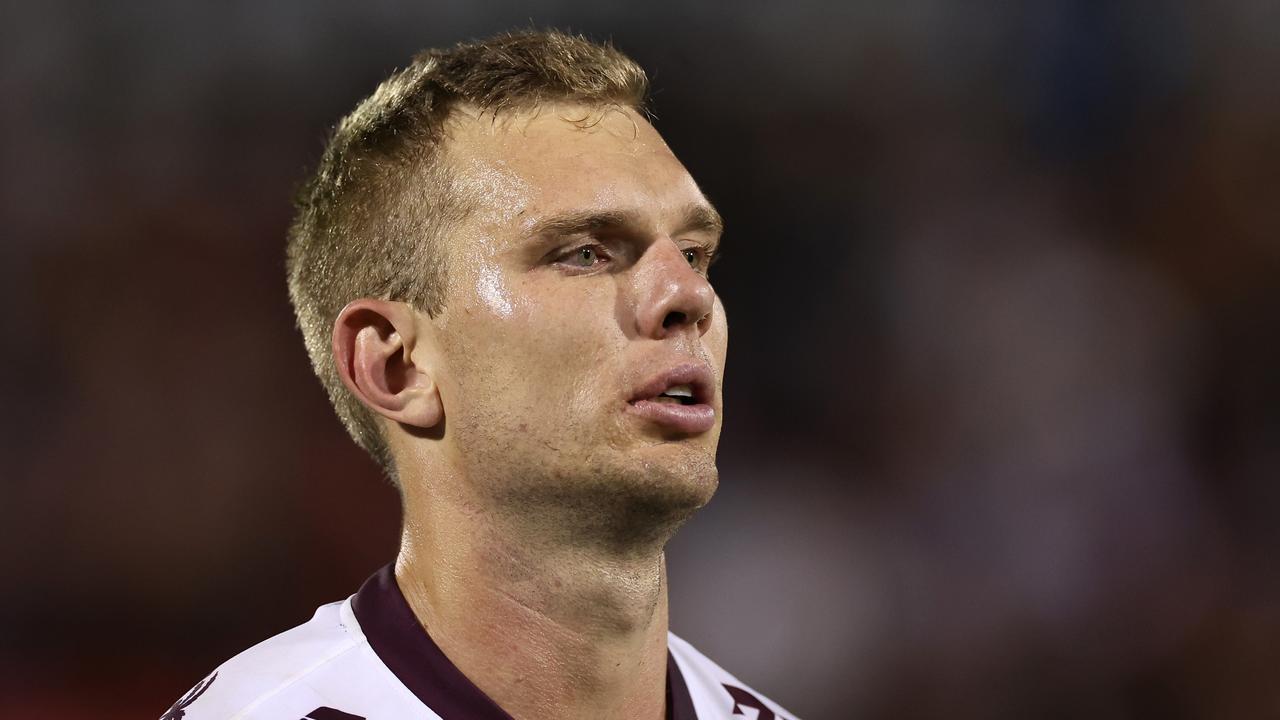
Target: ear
[373,350]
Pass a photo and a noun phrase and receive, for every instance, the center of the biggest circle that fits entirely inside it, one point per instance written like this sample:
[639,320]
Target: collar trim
[404,646]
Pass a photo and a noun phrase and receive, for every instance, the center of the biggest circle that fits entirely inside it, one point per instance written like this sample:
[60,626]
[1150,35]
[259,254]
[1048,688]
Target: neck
[548,624]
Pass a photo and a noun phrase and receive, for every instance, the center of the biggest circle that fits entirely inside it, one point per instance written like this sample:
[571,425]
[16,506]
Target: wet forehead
[566,158]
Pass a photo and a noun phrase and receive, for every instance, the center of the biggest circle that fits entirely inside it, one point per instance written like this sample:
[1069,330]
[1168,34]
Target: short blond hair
[370,221]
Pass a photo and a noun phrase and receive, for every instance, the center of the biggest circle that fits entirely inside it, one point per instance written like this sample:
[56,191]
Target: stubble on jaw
[585,549]
[575,537]
[619,503]
[577,475]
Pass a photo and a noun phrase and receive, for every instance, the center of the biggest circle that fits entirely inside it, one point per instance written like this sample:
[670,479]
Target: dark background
[1003,429]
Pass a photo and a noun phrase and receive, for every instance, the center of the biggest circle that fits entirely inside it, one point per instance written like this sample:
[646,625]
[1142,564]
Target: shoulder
[715,692]
[316,666]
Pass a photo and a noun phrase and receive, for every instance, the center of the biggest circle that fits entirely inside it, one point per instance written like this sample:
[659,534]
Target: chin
[633,501]
[646,510]
[671,482]
[682,470]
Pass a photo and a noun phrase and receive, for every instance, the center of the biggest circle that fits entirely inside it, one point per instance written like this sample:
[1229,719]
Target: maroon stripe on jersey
[328,713]
[407,650]
[404,646]
[679,702]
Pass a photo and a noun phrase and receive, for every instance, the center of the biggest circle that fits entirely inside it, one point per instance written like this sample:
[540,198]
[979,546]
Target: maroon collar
[404,646]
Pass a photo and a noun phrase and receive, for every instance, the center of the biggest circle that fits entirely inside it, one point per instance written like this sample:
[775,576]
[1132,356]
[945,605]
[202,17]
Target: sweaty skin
[537,510]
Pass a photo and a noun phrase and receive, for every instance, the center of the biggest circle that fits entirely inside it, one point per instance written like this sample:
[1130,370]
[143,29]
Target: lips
[688,409]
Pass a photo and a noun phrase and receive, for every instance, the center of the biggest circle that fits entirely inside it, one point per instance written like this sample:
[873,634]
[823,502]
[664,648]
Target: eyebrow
[697,218]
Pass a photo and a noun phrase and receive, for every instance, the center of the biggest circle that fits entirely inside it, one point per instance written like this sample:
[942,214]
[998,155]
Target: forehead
[522,166]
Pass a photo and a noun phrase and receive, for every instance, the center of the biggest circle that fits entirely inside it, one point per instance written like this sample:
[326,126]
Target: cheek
[716,339]
[574,349]
[538,353]
[493,293]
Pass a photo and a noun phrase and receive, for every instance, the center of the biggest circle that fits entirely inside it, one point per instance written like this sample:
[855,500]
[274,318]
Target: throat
[582,636]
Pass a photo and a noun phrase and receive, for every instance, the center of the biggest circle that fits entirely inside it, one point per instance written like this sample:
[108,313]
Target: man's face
[577,286]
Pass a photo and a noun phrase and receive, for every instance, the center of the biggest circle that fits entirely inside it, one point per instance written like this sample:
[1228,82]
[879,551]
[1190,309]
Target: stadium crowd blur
[1003,395]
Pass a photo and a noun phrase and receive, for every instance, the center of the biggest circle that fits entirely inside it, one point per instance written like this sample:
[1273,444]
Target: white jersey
[368,658]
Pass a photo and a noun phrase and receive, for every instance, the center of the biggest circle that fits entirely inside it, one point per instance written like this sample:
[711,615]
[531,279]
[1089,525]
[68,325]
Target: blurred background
[1003,430]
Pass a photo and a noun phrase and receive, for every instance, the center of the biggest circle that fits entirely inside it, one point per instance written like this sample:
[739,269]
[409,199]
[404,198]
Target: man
[500,272]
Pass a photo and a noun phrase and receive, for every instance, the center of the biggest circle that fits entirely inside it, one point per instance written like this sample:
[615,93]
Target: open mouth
[679,400]
[676,395]
[685,384]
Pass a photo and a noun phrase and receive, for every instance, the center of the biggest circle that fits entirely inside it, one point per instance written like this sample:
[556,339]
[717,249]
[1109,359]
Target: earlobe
[373,353]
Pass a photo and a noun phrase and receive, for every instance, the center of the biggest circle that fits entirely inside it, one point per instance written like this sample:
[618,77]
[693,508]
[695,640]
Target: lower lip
[692,419]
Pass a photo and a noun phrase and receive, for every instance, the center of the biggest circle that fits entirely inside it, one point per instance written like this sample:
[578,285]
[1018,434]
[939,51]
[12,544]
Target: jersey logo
[328,713]
[179,709]
[744,699]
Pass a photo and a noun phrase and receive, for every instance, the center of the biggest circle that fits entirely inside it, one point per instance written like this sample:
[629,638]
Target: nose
[674,296]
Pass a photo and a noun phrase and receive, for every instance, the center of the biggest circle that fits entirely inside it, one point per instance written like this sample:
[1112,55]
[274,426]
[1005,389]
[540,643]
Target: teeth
[679,391]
